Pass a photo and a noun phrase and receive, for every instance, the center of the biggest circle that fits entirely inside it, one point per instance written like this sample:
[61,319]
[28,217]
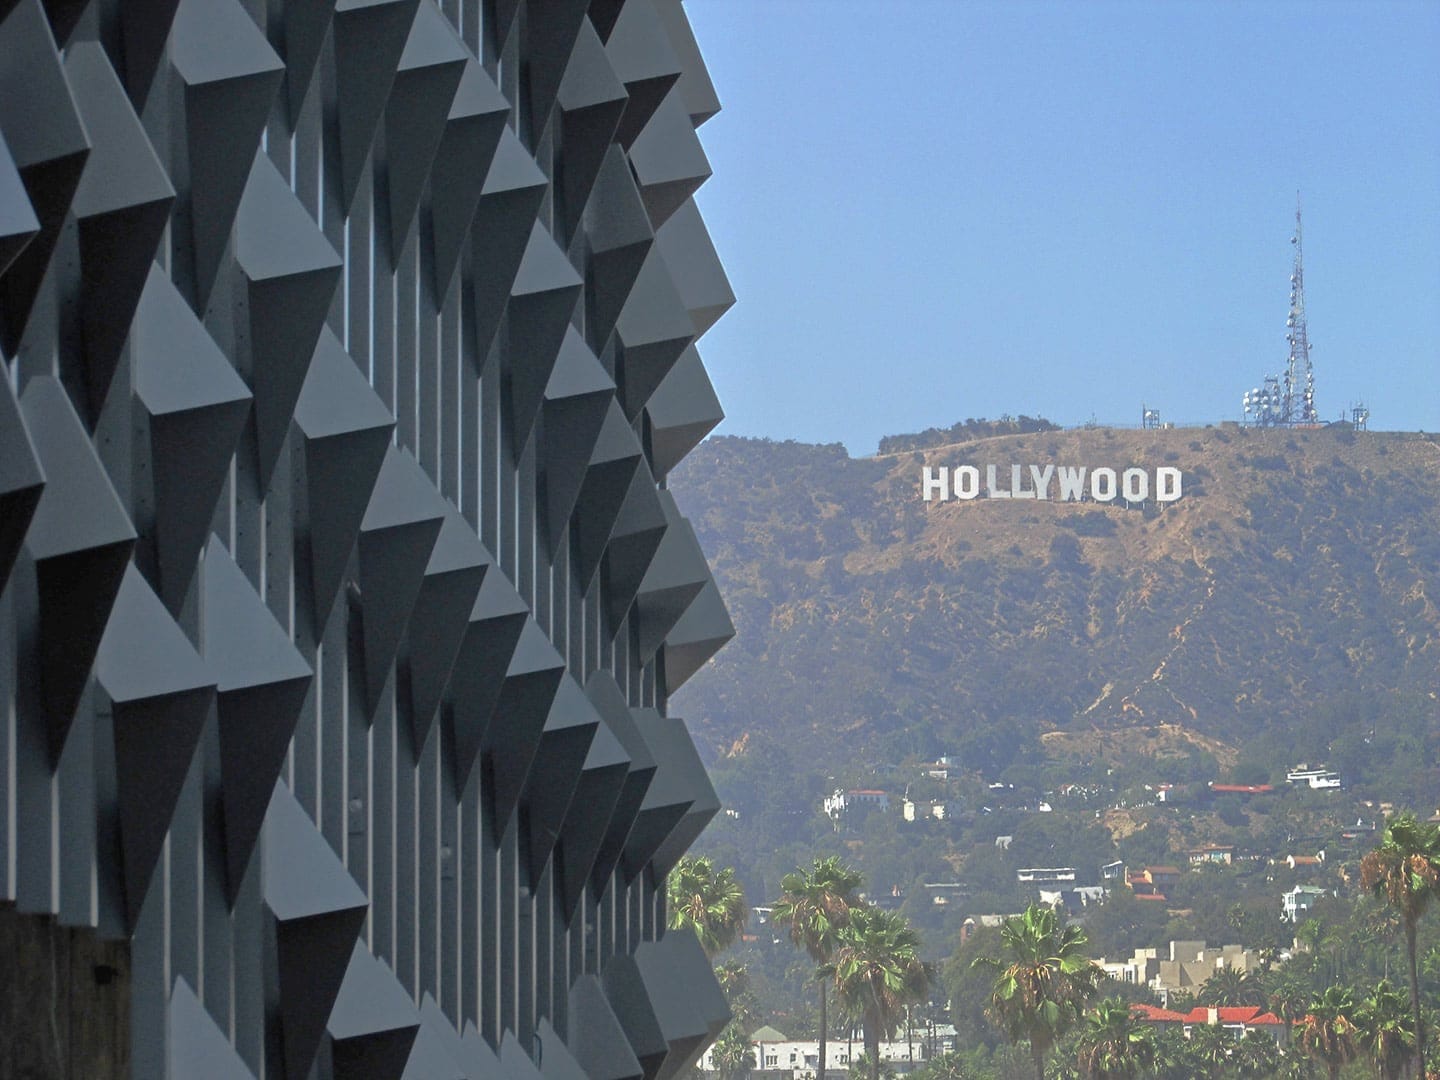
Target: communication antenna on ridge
[1298,403]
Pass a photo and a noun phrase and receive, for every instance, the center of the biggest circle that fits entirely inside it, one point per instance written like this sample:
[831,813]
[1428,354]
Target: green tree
[707,900]
[1328,1033]
[1255,1055]
[732,1055]
[1113,1044]
[1230,986]
[1387,1030]
[1287,996]
[1209,1049]
[1404,870]
[1042,990]
[815,905]
[878,972]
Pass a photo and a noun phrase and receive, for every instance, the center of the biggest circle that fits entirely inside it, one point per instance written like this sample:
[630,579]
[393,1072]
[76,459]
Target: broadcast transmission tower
[1298,406]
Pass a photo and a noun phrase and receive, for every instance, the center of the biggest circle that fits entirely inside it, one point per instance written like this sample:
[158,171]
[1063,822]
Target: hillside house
[1318,779]
[841,804]
[776,1056]
[913,810]
[1305,862]
[1184,965]
[1296,904]
[1045,875]
[1211,855]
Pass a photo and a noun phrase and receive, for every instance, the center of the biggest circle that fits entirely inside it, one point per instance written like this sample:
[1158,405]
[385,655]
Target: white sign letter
[1042,480]
[991,486]
[1072,483]
[967,481]
[1102,485]
[930,483]
[1016,484]
[1135,485]
[1167,484]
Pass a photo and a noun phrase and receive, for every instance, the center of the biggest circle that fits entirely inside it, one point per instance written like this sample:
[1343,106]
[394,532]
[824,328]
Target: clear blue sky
[935,209]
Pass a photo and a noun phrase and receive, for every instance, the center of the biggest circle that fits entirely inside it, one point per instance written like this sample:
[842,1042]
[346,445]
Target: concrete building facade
[346,347]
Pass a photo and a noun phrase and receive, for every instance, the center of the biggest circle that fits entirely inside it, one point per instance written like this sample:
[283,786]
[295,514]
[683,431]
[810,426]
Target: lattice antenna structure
[1298,406]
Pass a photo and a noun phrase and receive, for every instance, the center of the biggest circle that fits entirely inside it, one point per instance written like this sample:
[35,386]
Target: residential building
[1211,854]
[1237,1021]
[778,1057]
[1183,965]
[1296,904]
[1045,875]
[1318,778]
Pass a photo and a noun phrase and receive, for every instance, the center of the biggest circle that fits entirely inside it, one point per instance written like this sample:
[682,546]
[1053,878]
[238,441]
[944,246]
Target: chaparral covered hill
[1290,598]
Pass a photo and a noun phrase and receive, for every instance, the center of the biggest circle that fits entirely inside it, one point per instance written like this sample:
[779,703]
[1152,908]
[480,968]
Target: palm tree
[1405,871]
[1329,1033]
[1287,999]
[1387,1030]
[1230,986]
[815,905]
[1210,1048]
[1256,1055]
[733,1056]
[1113,1044]
[1042,991]
[708,901]
[878,972]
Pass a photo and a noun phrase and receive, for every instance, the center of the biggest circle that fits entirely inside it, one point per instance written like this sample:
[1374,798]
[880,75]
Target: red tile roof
[1248,1015]
[1242,789]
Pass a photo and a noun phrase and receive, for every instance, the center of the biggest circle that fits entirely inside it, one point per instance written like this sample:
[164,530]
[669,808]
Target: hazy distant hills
[1292,592]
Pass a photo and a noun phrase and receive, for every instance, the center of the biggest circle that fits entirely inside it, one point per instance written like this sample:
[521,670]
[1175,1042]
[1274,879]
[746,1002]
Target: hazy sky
[936,209]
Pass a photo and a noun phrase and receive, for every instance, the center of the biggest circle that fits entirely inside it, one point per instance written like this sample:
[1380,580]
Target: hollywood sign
[1069,483]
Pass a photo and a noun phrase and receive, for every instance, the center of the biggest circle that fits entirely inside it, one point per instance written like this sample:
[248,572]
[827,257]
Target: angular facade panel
[345,346]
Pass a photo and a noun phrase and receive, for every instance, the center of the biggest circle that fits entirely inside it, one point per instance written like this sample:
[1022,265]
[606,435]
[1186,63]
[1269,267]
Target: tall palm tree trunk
[871,1024]
[1037,1055]
[1410,955]
[821,1071]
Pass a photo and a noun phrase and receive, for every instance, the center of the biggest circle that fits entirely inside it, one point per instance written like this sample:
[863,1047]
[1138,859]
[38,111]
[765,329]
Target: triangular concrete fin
[18,223]
[556,1061]
[431,66]
[478,675]
[577,401]
[694,267]
[682,411]
[640,49]
[397,536]
[318,911]
[473,1065]
[668,160]
[300,38]
[549,32]
[614,465]
[484,1063]
[231,76]
[438,624]
[701,632]
[513,734]
[122,206]
[625,990]
[597,791]
[290,273]
[514,1061]
[696,89]
[595,1035]
[373,1025]
[160,692]
[687,1001]
[564,745]
[680,779]
[80,538]
[21,480]
[47,141]
[603,15]
[370,38]
[501,232]
[605,695]
[346,431]
[674,578]
[620,238]
[639,528]
[145,27]
[591,102]
[262,682]
[431,1058]
[654,328]
[198,1049]
[462,160]
[542,299]
[196,407]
